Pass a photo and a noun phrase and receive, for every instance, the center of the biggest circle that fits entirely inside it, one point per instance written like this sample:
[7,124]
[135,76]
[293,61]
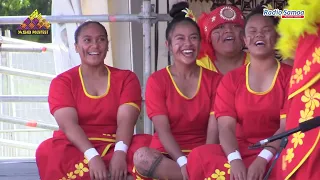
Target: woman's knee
[42,149]
[146,160]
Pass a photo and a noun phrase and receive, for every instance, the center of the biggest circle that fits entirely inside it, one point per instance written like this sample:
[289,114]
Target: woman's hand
[257,169]
[118,166]
[238,170]
[97,169]
[184,172]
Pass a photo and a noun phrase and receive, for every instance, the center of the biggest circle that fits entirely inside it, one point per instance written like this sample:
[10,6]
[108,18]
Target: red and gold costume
[301,157]
[258,117]
[57,158]
[188,117]
[210,21]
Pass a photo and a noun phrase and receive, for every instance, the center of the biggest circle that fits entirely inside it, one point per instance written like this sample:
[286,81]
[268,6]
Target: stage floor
[18,170]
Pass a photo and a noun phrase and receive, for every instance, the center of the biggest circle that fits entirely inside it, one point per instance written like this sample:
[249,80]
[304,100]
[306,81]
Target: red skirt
[57,158]
[210,162]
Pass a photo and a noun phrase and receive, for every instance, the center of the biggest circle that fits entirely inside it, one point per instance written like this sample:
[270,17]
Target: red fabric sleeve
[217,78]
[60,94]
[155,98]
[225,98]
[131,91]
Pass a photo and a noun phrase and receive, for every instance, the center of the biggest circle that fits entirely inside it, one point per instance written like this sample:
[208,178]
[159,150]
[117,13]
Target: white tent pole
[83,18]
[146,25]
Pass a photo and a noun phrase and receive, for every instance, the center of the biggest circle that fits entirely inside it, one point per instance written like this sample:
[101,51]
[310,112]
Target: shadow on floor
[18,170]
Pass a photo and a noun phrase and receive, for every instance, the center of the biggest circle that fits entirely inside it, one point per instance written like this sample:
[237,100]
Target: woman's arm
[212,131]
[275,145]
[67,120]
[227,137]
[129,109]
[162,127]
[62,106]
[126,120]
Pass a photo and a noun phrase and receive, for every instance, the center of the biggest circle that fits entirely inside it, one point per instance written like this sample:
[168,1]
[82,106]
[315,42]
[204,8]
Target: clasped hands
[255,171]
[117,167]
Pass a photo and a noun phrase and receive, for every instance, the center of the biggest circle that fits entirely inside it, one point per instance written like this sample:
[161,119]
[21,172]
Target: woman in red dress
[222,43]
[179,101]
[96,108]
[250,105]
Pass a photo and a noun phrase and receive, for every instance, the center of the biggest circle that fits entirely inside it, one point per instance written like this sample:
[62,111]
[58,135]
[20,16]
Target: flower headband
[189,14]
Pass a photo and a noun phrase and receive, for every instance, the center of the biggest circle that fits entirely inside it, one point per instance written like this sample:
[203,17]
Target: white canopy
[65,56]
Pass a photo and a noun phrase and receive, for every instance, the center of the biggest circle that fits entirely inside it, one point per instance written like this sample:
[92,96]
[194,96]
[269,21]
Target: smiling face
[92,44]
[184,42]
[260,36]
[226,39]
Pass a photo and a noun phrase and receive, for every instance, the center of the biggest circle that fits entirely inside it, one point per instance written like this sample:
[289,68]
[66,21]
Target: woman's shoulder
[236,76]
[210,74]
[121,75]
[285,67]
[239,71]
[69,75]
[159,78]
[285,71]
[160,74]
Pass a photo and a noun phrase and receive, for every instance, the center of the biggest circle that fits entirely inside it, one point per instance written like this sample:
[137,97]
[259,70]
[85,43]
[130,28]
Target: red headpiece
[208,22]
[221,15]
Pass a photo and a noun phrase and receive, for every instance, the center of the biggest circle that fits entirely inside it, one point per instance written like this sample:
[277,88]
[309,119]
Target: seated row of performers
[192,108]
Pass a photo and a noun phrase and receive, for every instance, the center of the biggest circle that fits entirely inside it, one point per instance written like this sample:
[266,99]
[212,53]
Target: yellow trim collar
[272,84]
[177,88]
[85,90]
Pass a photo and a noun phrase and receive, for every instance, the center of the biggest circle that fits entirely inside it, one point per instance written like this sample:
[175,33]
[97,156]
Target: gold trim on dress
[133,104]
[177,88]
[282,116]
[85,90]
[272,84]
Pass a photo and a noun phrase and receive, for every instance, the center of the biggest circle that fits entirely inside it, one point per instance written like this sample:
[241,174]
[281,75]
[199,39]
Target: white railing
[147,17]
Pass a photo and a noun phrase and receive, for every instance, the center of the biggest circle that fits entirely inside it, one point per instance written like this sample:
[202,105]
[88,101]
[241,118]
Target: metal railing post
[26,73]
[82,18]
[24,98]
[15,120]
[146,25]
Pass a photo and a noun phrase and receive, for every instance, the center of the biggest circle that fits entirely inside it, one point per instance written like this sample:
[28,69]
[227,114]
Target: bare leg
[152,164]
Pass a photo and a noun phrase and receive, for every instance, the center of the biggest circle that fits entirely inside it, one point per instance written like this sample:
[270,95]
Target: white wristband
[266,154]
[182,160]
[120,146]
[233,156]
[90,153]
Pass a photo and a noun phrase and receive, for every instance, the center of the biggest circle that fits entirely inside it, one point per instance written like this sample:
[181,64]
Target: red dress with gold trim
[57,158]
[301,158]
[188,117]
[258,117]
